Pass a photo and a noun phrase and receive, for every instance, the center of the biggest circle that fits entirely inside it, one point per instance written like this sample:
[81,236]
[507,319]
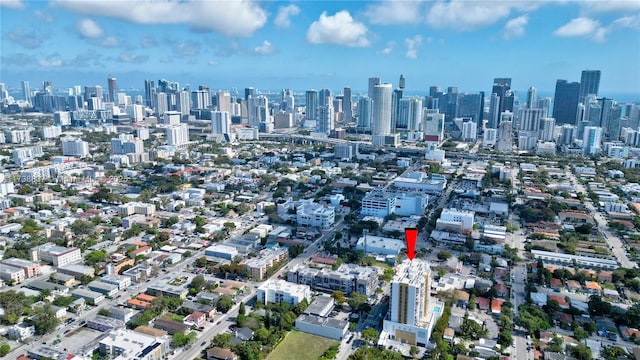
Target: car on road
[203,343]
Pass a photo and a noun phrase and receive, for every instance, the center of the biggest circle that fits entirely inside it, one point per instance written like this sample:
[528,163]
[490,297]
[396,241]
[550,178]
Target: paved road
[208,334]
[615,244]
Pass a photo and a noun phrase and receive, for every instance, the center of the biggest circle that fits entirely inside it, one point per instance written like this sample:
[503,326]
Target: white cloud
[515,27]
[110,41]
[89,28]
[284,14]
[50,62]
[611,5]
[266,48]
[213,62]
[232,18]
[387,49]
[148,42]
[465,15]
[590,28]
[632,21]
[340,29]
[390,12]
[580,26]
[12,4]
[412,46]
[132,58]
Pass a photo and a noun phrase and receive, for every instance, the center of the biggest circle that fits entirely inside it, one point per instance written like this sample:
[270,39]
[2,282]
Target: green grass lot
[300,346]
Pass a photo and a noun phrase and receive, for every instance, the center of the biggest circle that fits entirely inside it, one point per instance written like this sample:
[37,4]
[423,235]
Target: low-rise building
[103,288]
[31,269]
[21,331]
[121,313]
[197,319]
[56,255]
[315,215]
[259,266]
[11,274]
[275,291]
[91,297]
[348,278]
[78,271]
[170,326]
[322,326]
[104,323]
[221,251]
[168,291]
[121,281]
[126,344]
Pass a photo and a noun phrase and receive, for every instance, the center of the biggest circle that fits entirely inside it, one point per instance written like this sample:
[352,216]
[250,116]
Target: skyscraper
[381,116]
[548,129]
[311,104]
[410,114]
[591,140]
[494,111]
[396,97]
[220,122]
[288,101]
[531,98]
[26,91]
[411,311]
[248,92]
[178,135]
[149,90]
[201,98]
[223,101]
[365,110]
[347,105]
[401,83]
[373,81]
[565,102]
[112,87]
[589,84]
[183,103]
[502,87]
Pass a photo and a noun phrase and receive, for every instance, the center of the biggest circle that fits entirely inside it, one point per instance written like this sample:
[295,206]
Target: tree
[356,300]
[241,309]
[580,333]
[95,257]
[370,334]
[471,330]
[338,296]
[472,302]
[598,307]
[4,350]
[224,303]
[198,283]
[223,340]
[81,227]
[581,352]
[44,319]
[200,262]
[180,339]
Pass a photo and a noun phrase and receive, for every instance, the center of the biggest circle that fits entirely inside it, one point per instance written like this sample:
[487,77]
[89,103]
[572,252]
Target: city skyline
[322,44]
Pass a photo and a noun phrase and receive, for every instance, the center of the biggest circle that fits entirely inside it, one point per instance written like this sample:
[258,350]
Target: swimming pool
[436,309]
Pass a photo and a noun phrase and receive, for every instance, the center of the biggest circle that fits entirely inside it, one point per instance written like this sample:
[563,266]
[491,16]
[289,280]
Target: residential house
[592,287]
[218,353]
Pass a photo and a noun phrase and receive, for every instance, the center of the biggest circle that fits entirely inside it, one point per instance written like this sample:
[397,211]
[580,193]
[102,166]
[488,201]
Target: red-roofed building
[143,250]
[197,318]
[482,303]
[560,300]
[496,306]
[555,284]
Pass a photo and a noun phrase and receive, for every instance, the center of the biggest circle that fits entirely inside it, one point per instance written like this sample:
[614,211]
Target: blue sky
[318,44]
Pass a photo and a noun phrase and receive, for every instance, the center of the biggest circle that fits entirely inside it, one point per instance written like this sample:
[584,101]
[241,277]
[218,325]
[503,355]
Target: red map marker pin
[411,234]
